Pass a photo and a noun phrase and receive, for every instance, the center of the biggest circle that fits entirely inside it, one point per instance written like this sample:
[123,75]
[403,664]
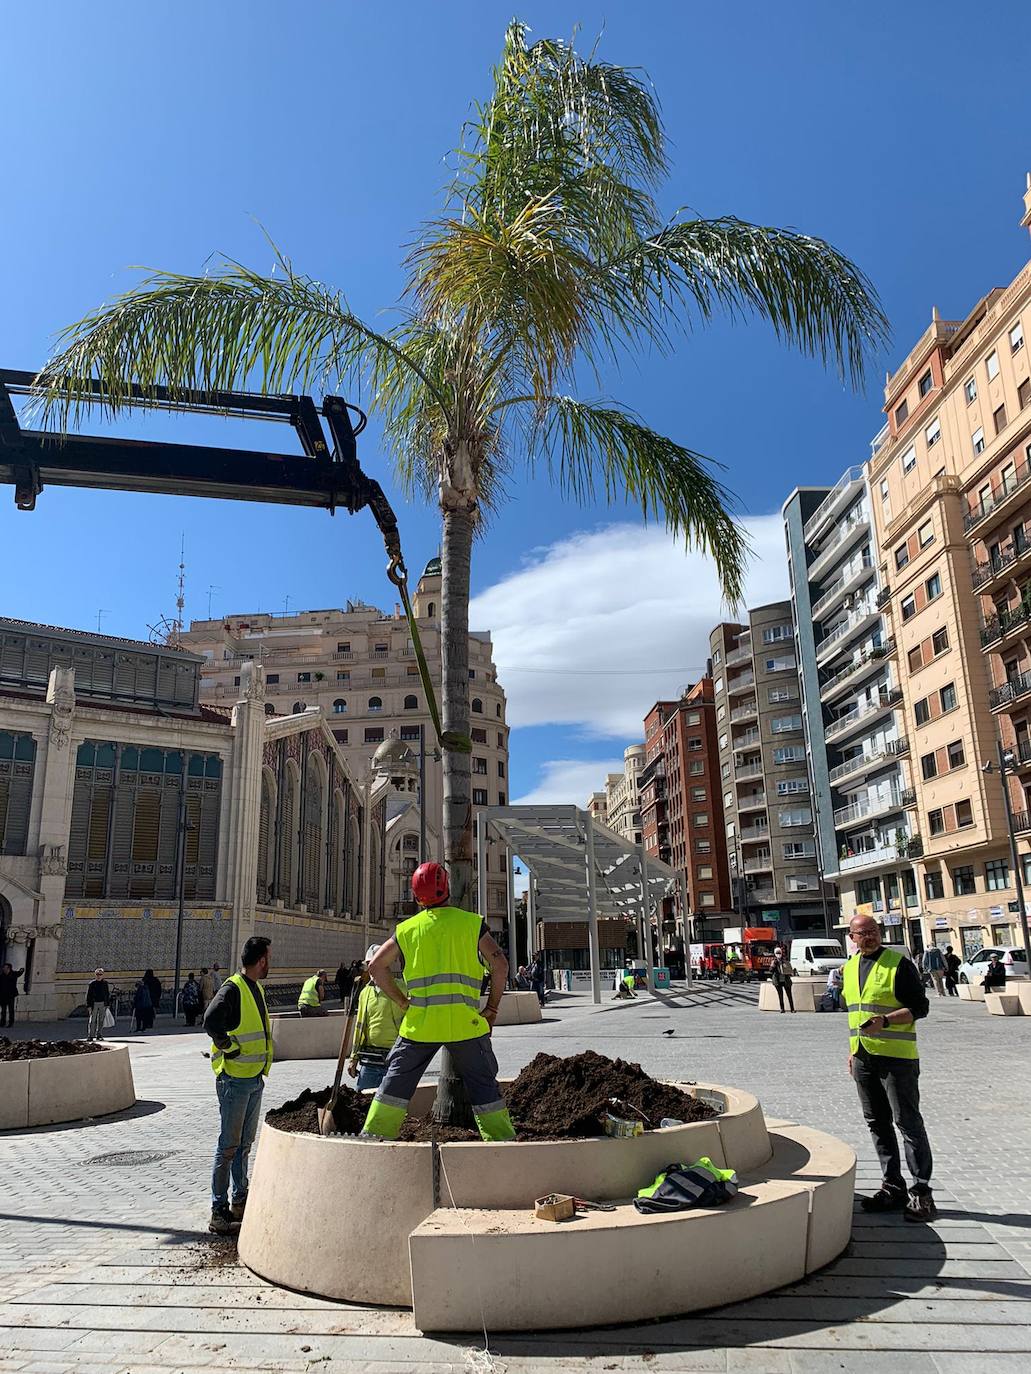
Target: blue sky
[159,134]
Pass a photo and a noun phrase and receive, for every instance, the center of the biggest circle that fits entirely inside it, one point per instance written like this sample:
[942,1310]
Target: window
[721,712]
[947,696]
[929,767]
[270,678]
[799,849]
[799,815]
[479,796]
[411,733]
[991,364]
[298,707]
[925,383]
[916,659]
[1017,337]
[701,819]
[909,459]
[963,883]
[501,799]
[380,648]
[728,800]
[697,767]
[970,390]
[479,736]
[412,669]
[997,875]
[1024,393]
[934,886]
[694,743]
[702,846]
[939,641]
[908,606]
[497,709]
[339,706]
[901,556]
[964,814]
[501,739]
[774,633]
[922,712]
[902,413]
[925,534]
[375,704]
[374,734]
[480,766]
[698,794]
[379,673]
[472,674]
[782,725]
[501,768]
[304,677]
[694,718]
[774,695]
[411,703]
[780,665]
[999,418]
[933,586]
[723,741]
[885,490]
[789,753]
[704,871]
[977,440]
[957,757]
[717,657]
[788,787]
[344,675]
[340,736]
[725,772]
[708,899]
[477,706]
[936,821]
[236,680]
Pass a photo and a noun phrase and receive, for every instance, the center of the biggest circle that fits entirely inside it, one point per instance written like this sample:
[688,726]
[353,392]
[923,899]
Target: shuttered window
[17,768]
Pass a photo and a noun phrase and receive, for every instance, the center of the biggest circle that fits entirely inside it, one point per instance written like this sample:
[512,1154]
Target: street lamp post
[1005,768]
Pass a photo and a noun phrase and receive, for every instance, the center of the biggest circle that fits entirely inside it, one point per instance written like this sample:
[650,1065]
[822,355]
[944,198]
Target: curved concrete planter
[40,1092]
[306,1037]
[489,1189]
[805,991]
[518,1009]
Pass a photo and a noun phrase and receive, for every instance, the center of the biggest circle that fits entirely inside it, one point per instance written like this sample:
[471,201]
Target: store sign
[941,923]
[893,920]
[995,911]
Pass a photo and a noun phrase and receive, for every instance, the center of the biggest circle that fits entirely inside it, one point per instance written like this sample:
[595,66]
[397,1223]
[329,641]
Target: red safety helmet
[430,885]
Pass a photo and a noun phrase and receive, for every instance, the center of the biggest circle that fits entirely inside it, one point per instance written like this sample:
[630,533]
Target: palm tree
[548,259]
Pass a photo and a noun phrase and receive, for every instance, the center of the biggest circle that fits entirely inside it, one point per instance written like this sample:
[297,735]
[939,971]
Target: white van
[815,956]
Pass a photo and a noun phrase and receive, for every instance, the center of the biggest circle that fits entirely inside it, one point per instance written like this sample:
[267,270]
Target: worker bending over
[441,946]
[313,994]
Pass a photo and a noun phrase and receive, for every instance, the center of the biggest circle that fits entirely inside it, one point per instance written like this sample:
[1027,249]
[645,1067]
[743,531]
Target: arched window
[353,869]
[298,707]
[266,828]
[375,704]
[288,836]
[411,703]
[270,710]
[310,892]
[477,706]
[340,706]
[431,610]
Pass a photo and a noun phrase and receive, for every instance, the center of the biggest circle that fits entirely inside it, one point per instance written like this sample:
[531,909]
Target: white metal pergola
[580,870]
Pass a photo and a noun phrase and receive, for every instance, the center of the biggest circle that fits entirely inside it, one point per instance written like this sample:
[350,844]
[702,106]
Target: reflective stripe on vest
[250,1037]
[310,992]
[443,975]
[877,999]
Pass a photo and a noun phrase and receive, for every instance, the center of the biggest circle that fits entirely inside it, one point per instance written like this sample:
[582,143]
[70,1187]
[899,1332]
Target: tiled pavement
[106,1268]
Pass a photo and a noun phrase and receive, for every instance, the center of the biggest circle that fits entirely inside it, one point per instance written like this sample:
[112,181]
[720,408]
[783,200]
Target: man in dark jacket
[8,993]
[98,995]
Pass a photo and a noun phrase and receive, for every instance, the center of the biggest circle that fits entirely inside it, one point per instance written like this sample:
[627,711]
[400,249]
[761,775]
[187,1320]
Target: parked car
[973,970]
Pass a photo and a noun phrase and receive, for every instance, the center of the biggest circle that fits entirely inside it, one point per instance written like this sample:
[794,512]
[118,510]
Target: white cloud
[569,780]
[595,628]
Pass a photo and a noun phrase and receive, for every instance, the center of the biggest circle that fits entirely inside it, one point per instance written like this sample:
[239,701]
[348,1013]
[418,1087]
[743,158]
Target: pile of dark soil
[552,1099]
[11,1050]
[568,1098]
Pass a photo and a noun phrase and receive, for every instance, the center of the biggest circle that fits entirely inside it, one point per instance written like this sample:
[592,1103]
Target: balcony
[747,712]
[737,685]
[754,801]
[995,506]
[748,770]
[1021,822]
[843,726]
[1014,690]
[762,864]
[908,798]
[748,740]
[760,892]
[866,808]
[882,855]
[847,629]
[865,763]
[742,655]
[1022,755]
[1008,557]
[849,578]
[999,627]
[844,536]
[754,834]
[846,487]
[853,673]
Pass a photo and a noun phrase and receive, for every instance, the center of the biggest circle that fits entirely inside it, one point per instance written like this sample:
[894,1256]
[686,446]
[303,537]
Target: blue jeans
[371,1075]
[239,1102]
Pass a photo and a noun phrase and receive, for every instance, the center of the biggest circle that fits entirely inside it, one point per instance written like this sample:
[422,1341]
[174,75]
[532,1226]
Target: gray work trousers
[889,1089]
[97,1012]
[474,1063]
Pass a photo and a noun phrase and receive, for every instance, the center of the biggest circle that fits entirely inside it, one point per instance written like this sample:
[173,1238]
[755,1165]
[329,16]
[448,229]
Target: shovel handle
[345,1046]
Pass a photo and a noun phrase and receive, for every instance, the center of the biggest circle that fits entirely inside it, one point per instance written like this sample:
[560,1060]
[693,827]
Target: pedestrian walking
[207,990]
[885,997]
[952,962]
[216,977]
[241,1056]
[9,976]
[142,1007]
[536,976]
[781,974]
[98,997]
[933,962]
[153,985]
[377,1026]
[344,979]
[191,1000]
[442,947]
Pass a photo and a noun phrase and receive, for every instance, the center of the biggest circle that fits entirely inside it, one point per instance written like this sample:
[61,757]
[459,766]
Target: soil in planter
[11,1050]
[552,1099]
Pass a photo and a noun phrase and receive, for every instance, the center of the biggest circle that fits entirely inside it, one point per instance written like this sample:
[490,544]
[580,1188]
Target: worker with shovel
[441,947]
[377,1027]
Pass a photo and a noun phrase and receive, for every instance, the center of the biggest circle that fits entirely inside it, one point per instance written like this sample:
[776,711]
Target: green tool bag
[682,1186]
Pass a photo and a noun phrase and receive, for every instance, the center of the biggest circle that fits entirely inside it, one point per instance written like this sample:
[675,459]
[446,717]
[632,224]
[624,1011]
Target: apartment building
[598,807]
[622,802]
[852,705]
[358,664]
[951,483]
[766,809]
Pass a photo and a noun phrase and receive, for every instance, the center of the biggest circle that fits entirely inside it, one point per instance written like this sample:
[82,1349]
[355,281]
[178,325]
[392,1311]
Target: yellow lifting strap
[447,739]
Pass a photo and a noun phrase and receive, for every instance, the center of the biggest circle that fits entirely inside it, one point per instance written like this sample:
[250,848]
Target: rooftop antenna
[99,614]
[180,592]
[211,591]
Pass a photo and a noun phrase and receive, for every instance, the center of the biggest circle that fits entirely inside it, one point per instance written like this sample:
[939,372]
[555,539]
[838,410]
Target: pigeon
[671,1031]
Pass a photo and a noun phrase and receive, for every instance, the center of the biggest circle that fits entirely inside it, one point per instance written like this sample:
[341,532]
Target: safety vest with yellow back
[310,993]
[877,999]
[443,974]
[253,1036]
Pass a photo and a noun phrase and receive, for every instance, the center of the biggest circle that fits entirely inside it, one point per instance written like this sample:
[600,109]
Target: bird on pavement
[671,1031]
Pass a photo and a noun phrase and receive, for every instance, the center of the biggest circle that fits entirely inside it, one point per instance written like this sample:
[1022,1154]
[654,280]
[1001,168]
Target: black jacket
[9,985]
[98,991]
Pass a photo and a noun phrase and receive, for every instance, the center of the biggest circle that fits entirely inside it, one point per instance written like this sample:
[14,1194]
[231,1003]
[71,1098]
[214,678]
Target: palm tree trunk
[451,1106]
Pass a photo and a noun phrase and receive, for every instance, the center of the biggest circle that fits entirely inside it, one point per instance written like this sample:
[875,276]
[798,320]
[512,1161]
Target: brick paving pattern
[107,1268]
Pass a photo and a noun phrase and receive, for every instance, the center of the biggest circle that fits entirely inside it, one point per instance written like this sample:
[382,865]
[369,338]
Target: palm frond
[812,294]
[231,329]
[587,446]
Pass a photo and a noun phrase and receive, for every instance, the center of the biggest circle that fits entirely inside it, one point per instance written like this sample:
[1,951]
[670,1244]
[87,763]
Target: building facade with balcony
[852,705]
[951,495]
[622,802]
[765,807]
[358,664]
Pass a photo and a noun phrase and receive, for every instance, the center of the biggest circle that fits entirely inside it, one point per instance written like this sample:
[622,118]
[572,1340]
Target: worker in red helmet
[444,950]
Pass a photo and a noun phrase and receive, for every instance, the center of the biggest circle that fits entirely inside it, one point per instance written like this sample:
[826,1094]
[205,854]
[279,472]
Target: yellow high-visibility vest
[253,1036]
[877,999]
[310,992]
[443,975]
